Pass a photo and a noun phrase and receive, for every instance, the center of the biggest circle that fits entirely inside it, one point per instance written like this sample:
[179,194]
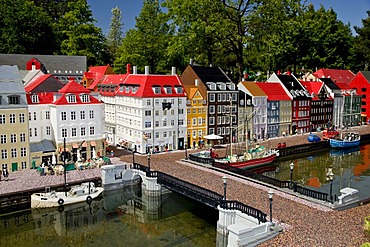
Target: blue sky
[352,11]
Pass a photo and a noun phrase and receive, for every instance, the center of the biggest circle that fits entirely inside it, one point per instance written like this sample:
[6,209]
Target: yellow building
[196,116]
[14,138]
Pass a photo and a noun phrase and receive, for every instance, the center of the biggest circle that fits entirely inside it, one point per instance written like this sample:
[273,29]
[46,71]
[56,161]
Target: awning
[75,145]
[44,146]
[92,143]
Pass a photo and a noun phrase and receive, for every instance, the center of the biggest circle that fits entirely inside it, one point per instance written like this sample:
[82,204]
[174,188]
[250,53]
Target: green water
[120,218]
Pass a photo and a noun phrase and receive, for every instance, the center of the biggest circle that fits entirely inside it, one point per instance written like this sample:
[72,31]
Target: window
[181,121]
[181,111]
[30,132]
[73,115]
[2,118]
[35,98]
[23,152]
[13,138]
[83,131]
[21,117]
[148,102]
[24,164]
[13,152]
[14,100]
[212,98]
[4,154]
[85,98]
[71,98]
[92,130]
[148,113]
[48,130]
[212,109]
[178,90]
[2,139]
[211,120]
[63,115]
[194,121]
[157,90]
[34,116]
[156,123]
[74,132]
[22,137]
[82,114]
[64,133]
[47,115]
[148,124]
[12,118]
[168,90]
[200,121]
[91,114]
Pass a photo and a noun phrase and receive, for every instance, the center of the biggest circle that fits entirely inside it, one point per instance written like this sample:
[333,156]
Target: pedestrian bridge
[244,225]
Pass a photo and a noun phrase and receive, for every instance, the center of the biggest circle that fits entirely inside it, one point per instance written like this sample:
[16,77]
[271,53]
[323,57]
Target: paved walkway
[305,223]
[26,180]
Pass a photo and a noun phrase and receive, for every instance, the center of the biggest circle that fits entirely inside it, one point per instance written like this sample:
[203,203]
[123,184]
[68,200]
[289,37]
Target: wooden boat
[84,192]
[351,139]
[253,158]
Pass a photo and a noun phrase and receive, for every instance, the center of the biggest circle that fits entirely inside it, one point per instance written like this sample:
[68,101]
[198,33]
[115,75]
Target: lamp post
[291,175]
[331,178]
[133,155]
[186,151]
[270,193]
[149,161]
[224,179]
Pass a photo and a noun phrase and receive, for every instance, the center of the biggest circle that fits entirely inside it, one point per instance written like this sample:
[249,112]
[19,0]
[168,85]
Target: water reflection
[350,167]
[119,218]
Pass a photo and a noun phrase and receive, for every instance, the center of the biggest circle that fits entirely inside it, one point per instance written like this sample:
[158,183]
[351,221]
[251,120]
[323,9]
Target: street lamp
[186,151]
[331,178]
[224,179]
[149,161]
[291,175]
[133,155]
[270,193]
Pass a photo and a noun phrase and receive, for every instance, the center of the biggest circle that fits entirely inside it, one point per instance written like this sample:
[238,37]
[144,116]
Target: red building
[361,82]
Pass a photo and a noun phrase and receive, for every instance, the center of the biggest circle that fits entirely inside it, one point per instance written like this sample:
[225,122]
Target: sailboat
[252,158]
[84,192]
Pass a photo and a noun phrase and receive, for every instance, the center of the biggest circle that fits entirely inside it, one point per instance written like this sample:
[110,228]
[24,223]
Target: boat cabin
[82,189]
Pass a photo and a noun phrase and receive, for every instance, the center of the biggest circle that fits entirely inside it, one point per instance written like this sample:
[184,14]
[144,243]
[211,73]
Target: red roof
[337,75]
[274,91]
[38,81]
[146,83]
[44,98]
[95,73]
[74,87]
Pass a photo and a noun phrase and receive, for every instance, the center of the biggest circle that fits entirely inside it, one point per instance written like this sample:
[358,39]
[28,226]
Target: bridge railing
[311,193]
[235,205]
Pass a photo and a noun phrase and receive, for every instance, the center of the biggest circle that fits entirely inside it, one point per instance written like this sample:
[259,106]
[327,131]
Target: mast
[64,165]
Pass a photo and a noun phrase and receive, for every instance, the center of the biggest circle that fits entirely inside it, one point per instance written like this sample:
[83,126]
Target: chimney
[147,70]
[128,68]
[288,72]
[33,67]
[191,61]
[173,70]
[196,82]
[134,70]
[278,72]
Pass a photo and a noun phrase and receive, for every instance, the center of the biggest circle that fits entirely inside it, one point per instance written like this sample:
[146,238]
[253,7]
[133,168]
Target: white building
[72,113]
[148,111]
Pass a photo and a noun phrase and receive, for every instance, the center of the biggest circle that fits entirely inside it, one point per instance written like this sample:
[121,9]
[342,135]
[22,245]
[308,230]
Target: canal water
[351,168]
[122,217]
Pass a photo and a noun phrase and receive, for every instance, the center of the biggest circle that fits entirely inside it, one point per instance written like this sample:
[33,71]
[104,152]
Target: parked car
[313,138]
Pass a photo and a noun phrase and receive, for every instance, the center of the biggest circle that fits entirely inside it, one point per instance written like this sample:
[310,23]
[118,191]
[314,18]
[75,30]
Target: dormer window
[85,98]
[179,90]
[35,98]
[212,86]
[222,85]
[168,90]
[127,89]
[157,90]
[14,100]
[121,88]
[71,98]
[134,89]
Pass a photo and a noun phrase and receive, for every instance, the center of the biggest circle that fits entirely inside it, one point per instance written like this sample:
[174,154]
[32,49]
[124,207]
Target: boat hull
[56,199]
[343,143]
[249,164]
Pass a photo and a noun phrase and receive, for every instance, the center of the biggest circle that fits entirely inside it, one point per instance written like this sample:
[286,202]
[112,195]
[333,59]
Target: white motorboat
[84,192]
